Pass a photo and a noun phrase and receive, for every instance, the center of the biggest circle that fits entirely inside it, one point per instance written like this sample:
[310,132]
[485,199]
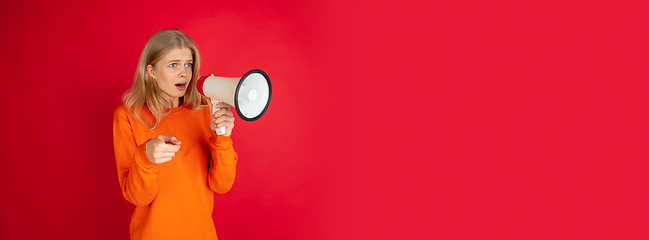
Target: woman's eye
[188,65]
[172,65]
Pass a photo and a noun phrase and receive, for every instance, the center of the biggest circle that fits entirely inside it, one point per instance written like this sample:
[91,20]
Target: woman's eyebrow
[179,60]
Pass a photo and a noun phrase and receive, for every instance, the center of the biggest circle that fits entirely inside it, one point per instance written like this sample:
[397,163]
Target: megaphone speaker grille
[252,96]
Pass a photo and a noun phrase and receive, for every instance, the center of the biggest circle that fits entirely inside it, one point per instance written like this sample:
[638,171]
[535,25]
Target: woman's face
[173,72]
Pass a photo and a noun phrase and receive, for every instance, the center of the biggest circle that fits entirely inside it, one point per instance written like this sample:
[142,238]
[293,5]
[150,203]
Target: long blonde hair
[145,90]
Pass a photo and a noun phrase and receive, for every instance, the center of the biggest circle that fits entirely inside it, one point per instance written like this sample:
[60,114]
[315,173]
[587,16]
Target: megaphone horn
[250,94]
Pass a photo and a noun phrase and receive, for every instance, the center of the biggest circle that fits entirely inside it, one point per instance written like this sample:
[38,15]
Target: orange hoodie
[173,200]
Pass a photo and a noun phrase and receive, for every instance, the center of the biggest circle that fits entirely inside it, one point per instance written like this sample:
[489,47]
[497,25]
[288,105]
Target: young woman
[169,161]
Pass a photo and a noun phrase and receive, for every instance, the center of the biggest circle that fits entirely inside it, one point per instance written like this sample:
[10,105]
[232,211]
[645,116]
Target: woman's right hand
[162,148]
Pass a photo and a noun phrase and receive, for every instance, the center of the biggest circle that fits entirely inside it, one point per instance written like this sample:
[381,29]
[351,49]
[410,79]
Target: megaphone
[250,94]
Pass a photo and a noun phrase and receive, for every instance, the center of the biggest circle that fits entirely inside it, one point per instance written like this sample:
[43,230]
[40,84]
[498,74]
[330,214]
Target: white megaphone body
[250,94]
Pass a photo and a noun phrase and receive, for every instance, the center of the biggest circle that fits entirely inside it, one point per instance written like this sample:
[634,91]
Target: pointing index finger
[171,140]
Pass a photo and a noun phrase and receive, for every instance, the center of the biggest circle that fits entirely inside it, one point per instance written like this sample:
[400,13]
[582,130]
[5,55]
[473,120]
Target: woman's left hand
[222,118]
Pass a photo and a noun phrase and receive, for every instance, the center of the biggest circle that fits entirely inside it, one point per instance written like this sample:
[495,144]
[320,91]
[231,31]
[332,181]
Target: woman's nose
[183,72]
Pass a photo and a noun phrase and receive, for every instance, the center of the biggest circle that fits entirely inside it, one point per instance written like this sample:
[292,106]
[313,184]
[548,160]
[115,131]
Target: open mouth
[181,86]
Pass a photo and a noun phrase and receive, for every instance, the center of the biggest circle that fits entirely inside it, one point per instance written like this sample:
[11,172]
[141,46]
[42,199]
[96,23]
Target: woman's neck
[171,102]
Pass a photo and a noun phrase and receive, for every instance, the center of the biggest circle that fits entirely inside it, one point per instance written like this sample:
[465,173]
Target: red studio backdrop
[389,120]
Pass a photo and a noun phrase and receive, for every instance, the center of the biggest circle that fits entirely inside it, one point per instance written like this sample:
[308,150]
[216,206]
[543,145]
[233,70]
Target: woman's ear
[149,69]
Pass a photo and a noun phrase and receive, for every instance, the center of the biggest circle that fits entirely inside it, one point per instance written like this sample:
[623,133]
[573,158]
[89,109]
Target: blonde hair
[145,90]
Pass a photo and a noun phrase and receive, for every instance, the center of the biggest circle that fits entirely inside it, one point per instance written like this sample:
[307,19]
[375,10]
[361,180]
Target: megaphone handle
[221,130]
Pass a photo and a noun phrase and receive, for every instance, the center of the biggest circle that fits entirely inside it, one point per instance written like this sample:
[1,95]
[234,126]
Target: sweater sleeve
[223,163]
[138,177]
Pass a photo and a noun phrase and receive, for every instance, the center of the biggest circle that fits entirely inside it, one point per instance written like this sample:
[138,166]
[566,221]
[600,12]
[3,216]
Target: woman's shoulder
[125,111]
[197,110]
[122,114]
[121,109]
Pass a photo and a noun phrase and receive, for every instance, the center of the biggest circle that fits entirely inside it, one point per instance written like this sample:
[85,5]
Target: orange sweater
[174,200]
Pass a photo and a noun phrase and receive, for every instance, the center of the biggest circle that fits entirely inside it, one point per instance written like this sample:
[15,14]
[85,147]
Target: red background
[389,120]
